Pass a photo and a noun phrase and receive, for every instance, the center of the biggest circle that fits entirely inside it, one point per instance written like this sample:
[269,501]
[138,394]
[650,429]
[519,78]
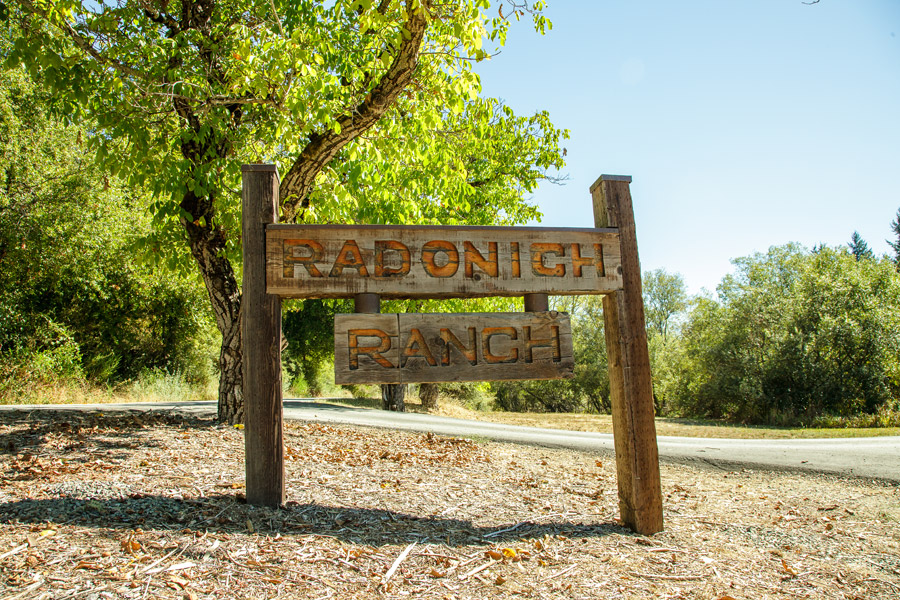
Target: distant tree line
[793,336]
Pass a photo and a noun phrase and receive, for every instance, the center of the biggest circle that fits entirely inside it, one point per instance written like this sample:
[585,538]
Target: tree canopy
[793,336]
[371,110]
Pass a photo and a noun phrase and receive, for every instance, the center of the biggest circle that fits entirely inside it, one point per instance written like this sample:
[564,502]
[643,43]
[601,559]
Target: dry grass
[603,423]
[664,426]
[150,506]
[152,387]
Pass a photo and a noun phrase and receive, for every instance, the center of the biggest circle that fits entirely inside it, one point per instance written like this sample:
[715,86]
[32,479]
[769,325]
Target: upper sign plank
[339,261]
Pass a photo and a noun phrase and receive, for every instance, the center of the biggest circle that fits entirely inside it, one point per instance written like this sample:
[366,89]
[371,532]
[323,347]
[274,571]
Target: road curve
[876,457]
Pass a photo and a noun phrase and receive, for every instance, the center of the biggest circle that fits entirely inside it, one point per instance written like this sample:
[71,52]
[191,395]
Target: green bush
[794,337]
[308,359]
[77,300]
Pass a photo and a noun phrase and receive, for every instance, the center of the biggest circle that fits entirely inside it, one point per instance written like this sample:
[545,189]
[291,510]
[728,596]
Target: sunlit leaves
[258,83]
[795,334]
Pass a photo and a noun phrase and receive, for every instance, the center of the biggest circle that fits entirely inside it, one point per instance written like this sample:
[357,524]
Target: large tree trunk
[231,376]
[428,394]
[207,244]
[393,396]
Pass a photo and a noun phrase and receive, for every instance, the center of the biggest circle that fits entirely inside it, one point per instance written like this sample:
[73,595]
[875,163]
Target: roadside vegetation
[86,310]
[99,301]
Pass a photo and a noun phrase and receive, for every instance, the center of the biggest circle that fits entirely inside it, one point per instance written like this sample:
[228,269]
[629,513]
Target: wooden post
[634,430]
[367,303]
[537,303]
[261,338]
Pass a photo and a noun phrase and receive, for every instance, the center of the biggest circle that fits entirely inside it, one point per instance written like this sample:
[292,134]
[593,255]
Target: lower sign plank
[428,347]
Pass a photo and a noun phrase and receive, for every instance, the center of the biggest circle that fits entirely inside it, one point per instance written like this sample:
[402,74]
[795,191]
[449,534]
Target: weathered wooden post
[634,430]
[537,302]
[261,338]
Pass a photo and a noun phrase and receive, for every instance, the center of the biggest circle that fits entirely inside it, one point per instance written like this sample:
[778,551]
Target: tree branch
[83,43]
[322,147]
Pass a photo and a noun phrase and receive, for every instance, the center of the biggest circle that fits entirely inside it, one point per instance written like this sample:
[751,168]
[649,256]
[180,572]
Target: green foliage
[665,298]
[75,300]
[477,168]
[308,327]
[859,248]
[795,335]
[895,242]
[257,82]
[665,303]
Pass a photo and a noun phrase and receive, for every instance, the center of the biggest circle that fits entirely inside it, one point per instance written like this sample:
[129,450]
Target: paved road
[877,457]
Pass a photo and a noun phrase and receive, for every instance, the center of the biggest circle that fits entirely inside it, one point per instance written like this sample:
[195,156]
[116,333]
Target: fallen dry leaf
[787,569]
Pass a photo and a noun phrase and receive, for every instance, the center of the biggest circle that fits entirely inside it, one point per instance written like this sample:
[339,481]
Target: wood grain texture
[634,430]
[261,340]
[334,261]
[430,348]
[366,348]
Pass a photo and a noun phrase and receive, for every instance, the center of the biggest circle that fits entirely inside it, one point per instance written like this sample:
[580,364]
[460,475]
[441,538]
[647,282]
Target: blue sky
[744,123]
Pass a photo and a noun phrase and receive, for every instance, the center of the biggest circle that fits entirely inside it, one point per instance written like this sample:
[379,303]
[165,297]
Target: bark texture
[428,394]
[207,245]
[393,397]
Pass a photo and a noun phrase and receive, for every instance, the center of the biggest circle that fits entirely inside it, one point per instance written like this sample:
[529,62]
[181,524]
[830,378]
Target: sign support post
[634,430]
[261,341]
[537,303]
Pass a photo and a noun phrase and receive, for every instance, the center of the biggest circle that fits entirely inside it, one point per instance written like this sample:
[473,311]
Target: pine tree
[895,244]
[859,247]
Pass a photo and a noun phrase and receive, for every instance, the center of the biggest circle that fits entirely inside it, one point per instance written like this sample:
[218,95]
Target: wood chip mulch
[96,506]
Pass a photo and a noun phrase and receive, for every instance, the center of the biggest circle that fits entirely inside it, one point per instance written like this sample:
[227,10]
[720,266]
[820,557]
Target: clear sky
[744,123]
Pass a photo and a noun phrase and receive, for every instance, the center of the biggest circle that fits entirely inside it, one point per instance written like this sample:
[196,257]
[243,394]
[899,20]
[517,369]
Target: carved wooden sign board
[444,262]
[337,261]
[420,348]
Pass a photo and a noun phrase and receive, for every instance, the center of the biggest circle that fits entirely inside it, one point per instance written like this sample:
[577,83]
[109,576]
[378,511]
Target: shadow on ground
[104,430]
[89,503]
[230,515]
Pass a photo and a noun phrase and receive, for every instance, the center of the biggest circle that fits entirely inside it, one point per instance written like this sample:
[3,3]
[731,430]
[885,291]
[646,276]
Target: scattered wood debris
[97,506]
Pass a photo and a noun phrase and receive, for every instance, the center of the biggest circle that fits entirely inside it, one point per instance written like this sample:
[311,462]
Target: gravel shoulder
[139,505]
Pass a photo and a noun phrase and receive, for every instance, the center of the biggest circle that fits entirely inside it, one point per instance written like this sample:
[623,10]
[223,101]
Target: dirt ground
[151,506]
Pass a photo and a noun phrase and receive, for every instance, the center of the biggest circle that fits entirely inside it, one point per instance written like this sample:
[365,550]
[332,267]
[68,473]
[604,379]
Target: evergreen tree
[895,243]
[859,247]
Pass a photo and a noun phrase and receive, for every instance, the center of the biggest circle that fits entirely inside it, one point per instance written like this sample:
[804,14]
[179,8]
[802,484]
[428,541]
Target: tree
[665,296]
[665,302]
[74,304]
[895,243]
[795,335]
[859,248]
[428,395]
[341,95]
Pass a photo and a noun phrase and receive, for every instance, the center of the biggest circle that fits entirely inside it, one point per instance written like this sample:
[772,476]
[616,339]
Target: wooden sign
[368,262]
[419,348]
[334,261]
